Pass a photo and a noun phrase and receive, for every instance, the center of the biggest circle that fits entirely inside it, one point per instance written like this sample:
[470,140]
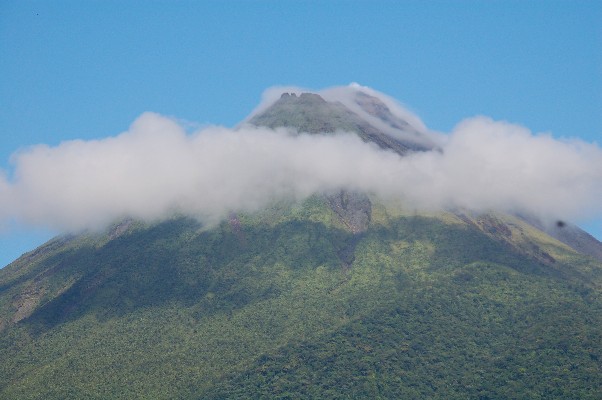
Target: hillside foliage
[289,303]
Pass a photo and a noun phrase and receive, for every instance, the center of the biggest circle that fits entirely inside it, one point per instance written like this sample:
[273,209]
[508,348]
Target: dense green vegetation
[288,303]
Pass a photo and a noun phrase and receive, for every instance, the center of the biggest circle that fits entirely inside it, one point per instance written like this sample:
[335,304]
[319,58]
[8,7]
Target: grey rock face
[353,208]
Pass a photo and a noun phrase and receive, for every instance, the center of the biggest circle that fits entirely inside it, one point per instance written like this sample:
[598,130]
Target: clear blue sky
[87,69]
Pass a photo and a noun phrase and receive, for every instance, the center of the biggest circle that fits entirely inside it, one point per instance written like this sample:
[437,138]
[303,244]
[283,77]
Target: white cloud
[155,169]
[496,165]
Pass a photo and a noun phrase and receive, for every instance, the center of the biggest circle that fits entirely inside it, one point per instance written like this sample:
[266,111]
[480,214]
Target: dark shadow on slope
[15,273]
[176,262]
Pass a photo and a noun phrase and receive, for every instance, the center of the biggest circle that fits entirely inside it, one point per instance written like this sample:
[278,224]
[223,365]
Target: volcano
[340,295]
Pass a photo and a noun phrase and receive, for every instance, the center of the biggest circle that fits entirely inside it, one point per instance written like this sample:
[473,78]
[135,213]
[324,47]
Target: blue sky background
[87,69]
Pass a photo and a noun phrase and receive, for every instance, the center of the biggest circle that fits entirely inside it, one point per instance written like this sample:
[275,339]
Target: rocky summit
[339,296]
[310,113]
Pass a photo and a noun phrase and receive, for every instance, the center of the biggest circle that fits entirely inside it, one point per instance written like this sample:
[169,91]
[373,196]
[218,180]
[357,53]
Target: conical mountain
[340,296]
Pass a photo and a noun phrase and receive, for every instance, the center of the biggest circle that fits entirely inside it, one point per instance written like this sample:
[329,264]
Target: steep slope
[340,296]
[571,235]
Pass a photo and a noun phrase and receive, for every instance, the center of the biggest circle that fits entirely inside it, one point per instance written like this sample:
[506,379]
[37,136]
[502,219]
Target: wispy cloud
[156,169]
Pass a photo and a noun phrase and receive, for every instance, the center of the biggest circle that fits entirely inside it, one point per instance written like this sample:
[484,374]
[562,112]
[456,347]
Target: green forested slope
[289,303]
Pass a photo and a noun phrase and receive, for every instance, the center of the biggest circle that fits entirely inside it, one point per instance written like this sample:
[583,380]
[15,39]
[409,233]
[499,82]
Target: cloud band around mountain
[156,169]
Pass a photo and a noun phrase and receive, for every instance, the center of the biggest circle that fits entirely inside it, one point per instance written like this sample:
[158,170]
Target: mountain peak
[311,113]
[306,97]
